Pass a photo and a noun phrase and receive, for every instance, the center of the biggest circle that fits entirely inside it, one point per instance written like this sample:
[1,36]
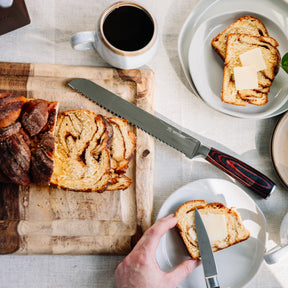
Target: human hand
[140,268]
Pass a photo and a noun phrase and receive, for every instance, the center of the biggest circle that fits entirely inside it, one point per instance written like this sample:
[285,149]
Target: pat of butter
[216,226]
[254,58]
[245,77]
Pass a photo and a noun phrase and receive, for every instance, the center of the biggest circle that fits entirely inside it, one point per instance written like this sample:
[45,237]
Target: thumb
[182,271]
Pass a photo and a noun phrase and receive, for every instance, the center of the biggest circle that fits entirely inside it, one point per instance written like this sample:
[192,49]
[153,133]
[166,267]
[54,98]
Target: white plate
[207,9]
[279,148]
[238,264]
[206,67]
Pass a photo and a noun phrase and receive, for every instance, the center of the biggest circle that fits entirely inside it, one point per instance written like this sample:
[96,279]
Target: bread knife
[206,253]
[174,137]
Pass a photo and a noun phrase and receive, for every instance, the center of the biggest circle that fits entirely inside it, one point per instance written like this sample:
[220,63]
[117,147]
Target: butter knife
[206,253]
[174,137]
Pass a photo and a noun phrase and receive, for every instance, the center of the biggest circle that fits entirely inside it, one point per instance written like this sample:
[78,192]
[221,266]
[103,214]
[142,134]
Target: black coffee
[128,28]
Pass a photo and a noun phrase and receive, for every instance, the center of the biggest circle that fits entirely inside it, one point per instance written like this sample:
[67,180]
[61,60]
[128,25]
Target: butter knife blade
[206,253]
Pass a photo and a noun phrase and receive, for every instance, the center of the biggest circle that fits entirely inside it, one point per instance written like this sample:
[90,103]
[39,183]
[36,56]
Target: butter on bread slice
[229,227]
[244,25]
[237,44]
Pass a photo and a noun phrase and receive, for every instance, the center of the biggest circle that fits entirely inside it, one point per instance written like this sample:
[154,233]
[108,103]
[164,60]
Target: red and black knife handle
[242,172]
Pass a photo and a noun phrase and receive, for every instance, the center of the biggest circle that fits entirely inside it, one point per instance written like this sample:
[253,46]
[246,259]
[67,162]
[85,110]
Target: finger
[152,236]
[182,271]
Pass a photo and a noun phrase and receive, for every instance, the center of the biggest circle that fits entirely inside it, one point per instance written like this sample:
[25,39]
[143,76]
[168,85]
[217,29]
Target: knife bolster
[212,282]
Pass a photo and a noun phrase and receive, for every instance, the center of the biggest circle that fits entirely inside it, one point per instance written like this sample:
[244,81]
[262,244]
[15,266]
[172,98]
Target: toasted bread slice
[234,231]
[244,25]
[238,44]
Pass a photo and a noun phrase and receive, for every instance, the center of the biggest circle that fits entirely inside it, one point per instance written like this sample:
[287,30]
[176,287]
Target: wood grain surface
[49,220]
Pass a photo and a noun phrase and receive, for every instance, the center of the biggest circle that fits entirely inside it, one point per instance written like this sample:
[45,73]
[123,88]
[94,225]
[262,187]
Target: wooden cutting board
[49,220]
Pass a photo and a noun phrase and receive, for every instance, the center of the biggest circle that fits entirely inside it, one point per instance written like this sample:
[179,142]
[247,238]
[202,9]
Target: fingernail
[170,216]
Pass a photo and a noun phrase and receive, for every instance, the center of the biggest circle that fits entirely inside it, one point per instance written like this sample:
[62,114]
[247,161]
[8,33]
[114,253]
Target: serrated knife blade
[206,253]
[174,137]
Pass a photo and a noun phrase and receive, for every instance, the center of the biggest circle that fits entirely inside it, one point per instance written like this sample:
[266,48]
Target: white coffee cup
[279,252]
[119,22]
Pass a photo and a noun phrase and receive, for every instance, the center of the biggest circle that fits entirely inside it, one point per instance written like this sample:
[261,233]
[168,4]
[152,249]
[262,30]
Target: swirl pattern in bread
[92,152]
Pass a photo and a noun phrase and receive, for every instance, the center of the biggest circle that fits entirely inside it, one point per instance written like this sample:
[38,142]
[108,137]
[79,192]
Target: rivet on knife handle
[242,172]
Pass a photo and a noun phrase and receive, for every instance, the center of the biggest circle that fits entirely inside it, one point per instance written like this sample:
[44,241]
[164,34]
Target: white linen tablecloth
[46,40]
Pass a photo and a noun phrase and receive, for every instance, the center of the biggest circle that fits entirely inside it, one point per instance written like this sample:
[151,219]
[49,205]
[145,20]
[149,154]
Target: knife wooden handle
[242,172]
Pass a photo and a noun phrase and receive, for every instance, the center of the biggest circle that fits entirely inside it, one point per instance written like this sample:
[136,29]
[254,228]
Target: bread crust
[23,123]
[185,217]
[257,28]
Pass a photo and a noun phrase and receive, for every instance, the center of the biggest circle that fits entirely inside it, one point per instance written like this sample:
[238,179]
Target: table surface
[46,40]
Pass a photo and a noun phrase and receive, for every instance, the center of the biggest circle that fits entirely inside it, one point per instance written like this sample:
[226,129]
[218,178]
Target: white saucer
[206,67]
[279,148]
[275,11]
[238,264]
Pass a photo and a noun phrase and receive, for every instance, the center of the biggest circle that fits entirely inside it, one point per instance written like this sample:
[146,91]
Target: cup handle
[83,40]
[276,254]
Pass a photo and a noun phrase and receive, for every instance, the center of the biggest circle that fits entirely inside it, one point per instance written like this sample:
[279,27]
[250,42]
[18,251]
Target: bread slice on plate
[238,44]
[244,25]
[227,221]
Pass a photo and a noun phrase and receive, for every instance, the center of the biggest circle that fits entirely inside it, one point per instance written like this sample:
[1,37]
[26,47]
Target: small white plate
[206,67]
[236,265]
[279,148]
[276,11]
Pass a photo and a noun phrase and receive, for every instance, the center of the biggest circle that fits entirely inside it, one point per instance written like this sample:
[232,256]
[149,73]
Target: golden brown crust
[244,25]
[22,123]
[10,108]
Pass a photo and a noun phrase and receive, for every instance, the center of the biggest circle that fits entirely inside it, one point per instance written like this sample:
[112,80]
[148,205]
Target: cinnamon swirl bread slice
[238,44]
[122,148]
[82,153]
[224,226]
[123,144]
